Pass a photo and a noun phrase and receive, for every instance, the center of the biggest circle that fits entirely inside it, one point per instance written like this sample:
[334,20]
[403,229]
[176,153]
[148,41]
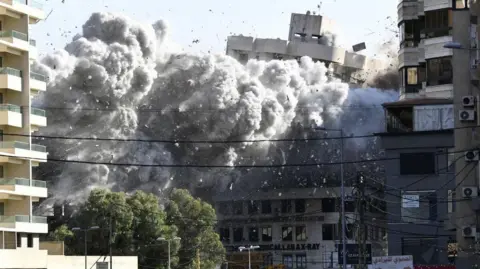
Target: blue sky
[211,21]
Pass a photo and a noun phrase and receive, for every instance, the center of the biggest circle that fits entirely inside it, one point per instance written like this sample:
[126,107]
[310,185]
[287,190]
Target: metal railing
[37,76]
[39,183]
[39,148]
[22,218]
[14,34]
[22,145]
[39,219]
[10,107]
[10,71]
[38,112]
[15,181]
[33,42]
[31,3]
[7,219]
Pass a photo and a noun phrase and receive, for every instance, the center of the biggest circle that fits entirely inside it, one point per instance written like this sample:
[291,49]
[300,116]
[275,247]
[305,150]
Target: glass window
[438,23]
[30,240]
[300,233]
[238,234]
[461,4]
[267,234]
[412,76]
[225,235]
[266,207]
[349,206]
[238,207]
[425,209]
[439,71]
[328,205]
[287,261]
[301,261]
[300,206]
[253,234]
[287,233]
[328,231]
[252,207]
[419,163]
[224,208]
[286,206]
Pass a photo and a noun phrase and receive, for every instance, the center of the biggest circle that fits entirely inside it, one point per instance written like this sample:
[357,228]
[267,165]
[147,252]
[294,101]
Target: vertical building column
[461,63]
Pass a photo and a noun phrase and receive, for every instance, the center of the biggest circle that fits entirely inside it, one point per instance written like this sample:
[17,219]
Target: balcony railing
[14,34]
[15,181]
[23,218]
[39,183]
[10,71]
[10,107]
[39,219]
[22,145]
[37,76]
[31,3]
[38,112]
[33,42]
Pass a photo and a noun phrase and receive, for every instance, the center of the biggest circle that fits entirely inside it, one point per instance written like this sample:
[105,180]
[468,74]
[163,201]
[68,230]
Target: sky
[212,21]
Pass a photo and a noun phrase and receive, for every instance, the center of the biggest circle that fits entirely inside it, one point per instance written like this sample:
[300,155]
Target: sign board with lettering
[280,247]
[353,256]
[392,262]
[410,201]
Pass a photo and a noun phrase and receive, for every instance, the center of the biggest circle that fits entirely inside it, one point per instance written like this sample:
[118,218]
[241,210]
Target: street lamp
[342,191]
[248,249]
[75,229]
[168,243]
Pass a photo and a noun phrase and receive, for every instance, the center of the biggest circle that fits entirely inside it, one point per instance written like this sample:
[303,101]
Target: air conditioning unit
[469,231]
[468,101]
[471,156]
[466,115]
[469,192]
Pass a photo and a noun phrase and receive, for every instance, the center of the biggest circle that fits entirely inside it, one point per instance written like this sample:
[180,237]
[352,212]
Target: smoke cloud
[388,77]
[123,79]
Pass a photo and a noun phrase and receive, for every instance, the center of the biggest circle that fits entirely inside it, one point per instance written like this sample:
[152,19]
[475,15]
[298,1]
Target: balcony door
[2,209]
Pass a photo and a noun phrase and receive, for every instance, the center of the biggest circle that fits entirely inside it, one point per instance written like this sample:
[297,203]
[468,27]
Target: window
[30,240]
[300,206]
[301,261]
[1,172]
[301,36]
[19,240]
[300,233]
[328,205]
[242,57]
[460,4]
[287,233]
[286,206]
[2,209]
[225,235]
[287,260]
[439,71]
[252,207]
[349,206]
[422,207]
[224,208]
[253,234]
[438,23]
[451,201]
[266,207]
[267,234]
[412,76]
[421,250]
[421,163]
[328,231]
[238,234]
[409,33]
[238,208]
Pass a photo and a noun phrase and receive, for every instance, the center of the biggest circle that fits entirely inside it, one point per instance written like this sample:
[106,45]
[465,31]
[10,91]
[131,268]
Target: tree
[61,233]
[195,221]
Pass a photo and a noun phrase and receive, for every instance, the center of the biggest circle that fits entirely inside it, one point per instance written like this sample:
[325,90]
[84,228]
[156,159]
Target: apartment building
[294,227]
[19,228]
[309,35]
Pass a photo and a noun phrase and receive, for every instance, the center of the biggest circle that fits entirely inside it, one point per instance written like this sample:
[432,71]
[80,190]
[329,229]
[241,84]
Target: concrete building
[309,35]
[297,228]
[425,66]
[420,178]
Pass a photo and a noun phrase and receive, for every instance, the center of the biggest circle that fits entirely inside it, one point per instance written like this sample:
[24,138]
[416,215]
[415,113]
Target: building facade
[420,179]
[295,228]
[19,228]
[309,35]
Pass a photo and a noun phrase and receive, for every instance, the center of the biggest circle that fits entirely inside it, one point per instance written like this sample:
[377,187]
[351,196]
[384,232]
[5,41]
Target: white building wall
[78,262]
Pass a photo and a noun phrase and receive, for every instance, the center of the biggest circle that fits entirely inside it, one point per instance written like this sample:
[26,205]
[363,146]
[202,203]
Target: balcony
[24,223]
[17,8]
[436,4]
[22,150]
[23,187]
[14,42]
[408,56]
[408,10]
[38,82]
[38,117]
[434,42]
[11,79]
[33,51]
[10,115]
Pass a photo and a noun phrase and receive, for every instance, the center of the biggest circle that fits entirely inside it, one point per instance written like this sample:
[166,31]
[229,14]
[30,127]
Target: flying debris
[123,79]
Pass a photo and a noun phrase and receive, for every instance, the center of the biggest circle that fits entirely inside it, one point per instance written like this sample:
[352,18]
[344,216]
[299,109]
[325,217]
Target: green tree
[195,221]
[61,233]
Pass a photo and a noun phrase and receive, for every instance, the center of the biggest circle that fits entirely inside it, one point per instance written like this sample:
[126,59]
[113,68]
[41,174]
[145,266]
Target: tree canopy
[142,228]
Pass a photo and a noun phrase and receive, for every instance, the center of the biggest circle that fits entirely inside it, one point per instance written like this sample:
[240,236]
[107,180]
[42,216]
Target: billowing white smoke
[120,79]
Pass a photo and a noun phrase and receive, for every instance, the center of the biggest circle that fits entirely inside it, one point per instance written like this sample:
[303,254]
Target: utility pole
[361,231]
[465,83]
[110,237]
